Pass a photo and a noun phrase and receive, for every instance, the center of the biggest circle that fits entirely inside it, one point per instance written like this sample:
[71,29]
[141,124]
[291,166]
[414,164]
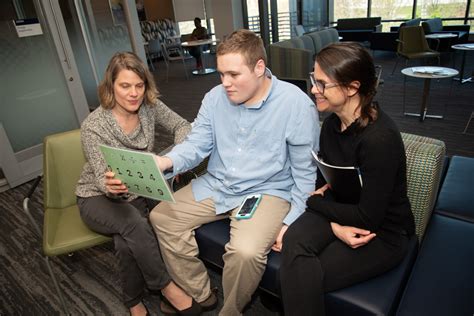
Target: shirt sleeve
[198,144]
[91,139]
[172,122]
[303,137]
[379,157]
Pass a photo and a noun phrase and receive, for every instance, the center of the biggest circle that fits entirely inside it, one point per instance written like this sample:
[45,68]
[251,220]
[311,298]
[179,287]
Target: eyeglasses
[320,86]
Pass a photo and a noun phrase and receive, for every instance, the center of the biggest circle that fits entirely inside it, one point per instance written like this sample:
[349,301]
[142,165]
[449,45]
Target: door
[41,91]
[49,77]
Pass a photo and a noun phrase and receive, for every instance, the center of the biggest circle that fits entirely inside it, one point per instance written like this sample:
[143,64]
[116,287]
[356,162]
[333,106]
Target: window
[187,27]
[392,9]
[350,9]
[441,9]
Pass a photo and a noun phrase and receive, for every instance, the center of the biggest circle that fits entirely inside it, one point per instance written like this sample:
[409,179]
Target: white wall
[227,16]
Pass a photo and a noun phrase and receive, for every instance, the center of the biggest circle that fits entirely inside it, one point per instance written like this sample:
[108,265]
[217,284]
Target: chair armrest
[394,28]
[383,41]
[459,28]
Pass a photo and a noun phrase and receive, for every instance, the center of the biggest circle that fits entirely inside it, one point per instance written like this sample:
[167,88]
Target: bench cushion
[456,198]
[378,296]
[442,279]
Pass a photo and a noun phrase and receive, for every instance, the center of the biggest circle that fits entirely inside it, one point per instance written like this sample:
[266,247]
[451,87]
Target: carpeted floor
[89,278]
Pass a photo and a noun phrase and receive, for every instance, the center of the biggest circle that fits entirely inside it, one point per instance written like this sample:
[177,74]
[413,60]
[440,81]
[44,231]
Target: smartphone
[248,206]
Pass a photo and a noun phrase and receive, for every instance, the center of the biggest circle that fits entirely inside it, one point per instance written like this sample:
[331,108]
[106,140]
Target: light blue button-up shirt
[263,148]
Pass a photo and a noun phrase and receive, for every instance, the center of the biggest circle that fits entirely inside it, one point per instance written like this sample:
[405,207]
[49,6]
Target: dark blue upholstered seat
[442,280]
[378,296]
[456,198]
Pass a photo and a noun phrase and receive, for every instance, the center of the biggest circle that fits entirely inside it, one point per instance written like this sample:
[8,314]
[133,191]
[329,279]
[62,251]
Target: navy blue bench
[442,280]
[377,296]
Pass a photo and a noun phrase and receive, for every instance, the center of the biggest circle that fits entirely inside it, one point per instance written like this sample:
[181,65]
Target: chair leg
[396,64]
[468,122]
[167,70]
[56,286]
[185,70]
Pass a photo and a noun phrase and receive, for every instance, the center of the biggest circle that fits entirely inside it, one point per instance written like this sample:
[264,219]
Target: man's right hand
[164,162]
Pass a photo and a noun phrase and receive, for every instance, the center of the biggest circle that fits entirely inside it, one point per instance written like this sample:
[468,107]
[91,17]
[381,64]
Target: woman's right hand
[321,190]
[114,185]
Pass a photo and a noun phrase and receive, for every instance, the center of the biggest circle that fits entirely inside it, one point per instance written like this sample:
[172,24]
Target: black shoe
[210,303]
[168,309]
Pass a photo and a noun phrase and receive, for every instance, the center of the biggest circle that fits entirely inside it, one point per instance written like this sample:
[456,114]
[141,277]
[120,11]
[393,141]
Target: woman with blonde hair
[126,118]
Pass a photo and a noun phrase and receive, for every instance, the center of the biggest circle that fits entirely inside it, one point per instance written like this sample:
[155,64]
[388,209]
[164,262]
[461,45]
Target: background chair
[435,25]
[174,53]
[153,51]
[299,30]
[63,229]
[412,44]
[387,41]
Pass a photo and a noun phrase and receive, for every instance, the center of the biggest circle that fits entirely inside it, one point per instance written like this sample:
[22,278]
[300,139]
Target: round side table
[464,48]
[426,73]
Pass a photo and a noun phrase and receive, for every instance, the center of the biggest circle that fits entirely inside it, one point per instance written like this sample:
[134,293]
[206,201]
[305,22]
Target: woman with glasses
[337,243]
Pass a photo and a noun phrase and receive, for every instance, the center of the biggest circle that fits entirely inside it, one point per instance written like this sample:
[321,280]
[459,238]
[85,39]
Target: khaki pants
[246,252]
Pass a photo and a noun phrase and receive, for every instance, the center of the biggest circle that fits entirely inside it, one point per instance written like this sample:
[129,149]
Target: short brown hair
[119,62]
[347,62]
[246,43]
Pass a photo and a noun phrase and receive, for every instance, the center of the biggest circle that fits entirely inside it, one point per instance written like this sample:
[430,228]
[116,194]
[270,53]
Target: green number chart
[138,171]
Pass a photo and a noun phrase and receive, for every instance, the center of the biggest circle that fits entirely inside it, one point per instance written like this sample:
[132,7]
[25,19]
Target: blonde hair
[246,43]
[128,61]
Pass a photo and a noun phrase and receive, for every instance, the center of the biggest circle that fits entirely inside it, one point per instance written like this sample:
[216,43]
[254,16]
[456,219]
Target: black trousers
[315,261]
[136,246]
[195,52]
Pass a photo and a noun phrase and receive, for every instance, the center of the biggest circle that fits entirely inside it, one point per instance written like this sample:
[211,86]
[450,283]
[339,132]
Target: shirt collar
[258,105]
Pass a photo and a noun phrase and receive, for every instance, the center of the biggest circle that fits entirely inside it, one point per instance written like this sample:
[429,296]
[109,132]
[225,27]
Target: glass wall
[441,8]
[314,14]
[394,11]
[350,8]
[283,10]
[471,14]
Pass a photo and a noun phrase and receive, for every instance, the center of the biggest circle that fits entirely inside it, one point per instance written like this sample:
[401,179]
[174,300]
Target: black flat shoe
[166,308]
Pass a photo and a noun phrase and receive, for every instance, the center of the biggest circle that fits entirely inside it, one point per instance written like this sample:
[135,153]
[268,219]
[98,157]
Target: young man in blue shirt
[258,132]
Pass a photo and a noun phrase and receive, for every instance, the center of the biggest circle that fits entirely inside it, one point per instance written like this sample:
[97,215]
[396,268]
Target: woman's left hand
[321,190]
[278,245]
[354,237]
